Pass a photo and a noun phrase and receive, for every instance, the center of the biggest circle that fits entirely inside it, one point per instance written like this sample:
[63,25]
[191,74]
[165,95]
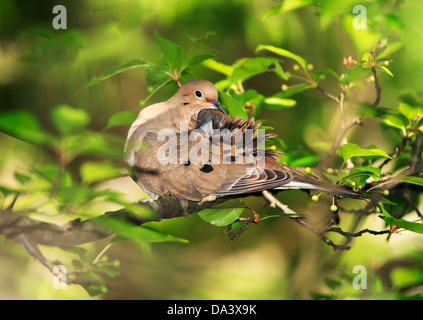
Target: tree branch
[32,232]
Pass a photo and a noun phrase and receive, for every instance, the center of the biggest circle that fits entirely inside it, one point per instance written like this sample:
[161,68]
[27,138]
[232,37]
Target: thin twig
[328,95]
[377,87]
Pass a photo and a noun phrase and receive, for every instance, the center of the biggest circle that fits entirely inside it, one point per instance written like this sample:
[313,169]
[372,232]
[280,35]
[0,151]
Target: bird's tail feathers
[330,188]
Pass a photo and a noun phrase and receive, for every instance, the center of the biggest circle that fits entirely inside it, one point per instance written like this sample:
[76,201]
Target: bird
[189,147]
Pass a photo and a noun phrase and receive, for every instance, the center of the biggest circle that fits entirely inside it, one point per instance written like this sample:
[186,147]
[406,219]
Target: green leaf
[93,143]
[22,178]
[360,175]
[293,90]
[344,79]
[333,283]
[7,191]
[390,49]
[121,118]
[142,236]
[22,125]
[385,70]
[171,51]
[395,120]
[190,61]
[306,161]
[155,236]
[157,74]
[218,66]
[92,172]
[410,112]
[234,107]
[352,150]
[68,120]
[400,223]
[276,103]
[93,283]
[284,53]
[246,68]
[413,180]
[321,73]
[115,70]
[222,215]
[287,6]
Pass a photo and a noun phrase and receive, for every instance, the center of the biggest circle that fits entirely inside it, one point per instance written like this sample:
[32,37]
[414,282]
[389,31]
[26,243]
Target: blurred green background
[41,67]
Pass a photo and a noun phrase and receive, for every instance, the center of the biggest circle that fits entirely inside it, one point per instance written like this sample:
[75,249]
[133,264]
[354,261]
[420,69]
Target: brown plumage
[189,147]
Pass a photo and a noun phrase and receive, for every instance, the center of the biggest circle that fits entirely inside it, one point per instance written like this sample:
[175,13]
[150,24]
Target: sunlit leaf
[400,223]
[413,180]
[223,214]
[121,118]
[287,6]
[292,90]
[218,66]
[190,61]
[284,53]
[276,103]
[92,172]
[385,70]
[352,150]
[93,143]
[69,120]
[410,112]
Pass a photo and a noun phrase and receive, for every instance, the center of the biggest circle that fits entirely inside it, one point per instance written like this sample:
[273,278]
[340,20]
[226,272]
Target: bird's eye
[198,94]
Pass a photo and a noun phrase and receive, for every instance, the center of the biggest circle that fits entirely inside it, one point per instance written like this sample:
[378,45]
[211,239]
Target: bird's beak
[219,106]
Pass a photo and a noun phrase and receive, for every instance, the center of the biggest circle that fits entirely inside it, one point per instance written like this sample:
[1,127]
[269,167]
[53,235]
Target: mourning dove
[189,147]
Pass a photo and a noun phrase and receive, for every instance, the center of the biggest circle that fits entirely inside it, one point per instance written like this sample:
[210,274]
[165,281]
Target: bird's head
[196,94]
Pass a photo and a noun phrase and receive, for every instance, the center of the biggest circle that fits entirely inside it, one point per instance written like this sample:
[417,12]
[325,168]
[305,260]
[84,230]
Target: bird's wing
[248,166]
